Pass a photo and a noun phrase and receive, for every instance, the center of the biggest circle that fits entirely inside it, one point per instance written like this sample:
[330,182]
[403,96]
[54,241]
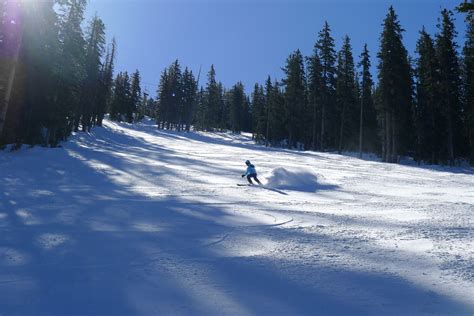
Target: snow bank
[295,179]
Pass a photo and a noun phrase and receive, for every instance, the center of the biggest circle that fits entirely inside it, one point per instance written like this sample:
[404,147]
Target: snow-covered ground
[134,221]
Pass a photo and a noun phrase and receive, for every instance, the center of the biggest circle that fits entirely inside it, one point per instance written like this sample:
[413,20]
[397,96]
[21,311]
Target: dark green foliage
[58,84]
[259,113]
[395,88]
[315,99]
[135,97]
[61,80]
[212,101]
[468,52]
[189,98]
[121,100]
[428,121]
[105,84]
[89,102]
[295,97]
[368,137]
[467,6]
[176,98]
[449,88]
[346,98]
[236,102]
[327,57]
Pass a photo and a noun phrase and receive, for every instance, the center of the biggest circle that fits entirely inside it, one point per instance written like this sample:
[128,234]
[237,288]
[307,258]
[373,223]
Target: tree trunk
[394,134]
[341,130]
[323,117]
[361,126]
[450,140]
[6,100]
[313,139]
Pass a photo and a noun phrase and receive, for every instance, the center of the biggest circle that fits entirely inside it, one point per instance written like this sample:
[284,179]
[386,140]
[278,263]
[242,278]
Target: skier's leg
[256,179]
[249,180]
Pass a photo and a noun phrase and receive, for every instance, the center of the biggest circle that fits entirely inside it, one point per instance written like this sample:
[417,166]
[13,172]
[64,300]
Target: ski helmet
[247,162]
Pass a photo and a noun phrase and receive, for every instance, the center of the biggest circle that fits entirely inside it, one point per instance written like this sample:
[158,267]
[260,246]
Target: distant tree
[325,46]
[466,7]
[395,88]
[135,95]
[468,53]
[121,107]
[427,118]
[259,113]
[236,107]
[368,139]
[211,102]
[222,109]
[106,83]
[189,98]
[199,116]
[315,97]
[295,87]
[449,85]
[72,61]
[346,94]
[162,113]
[89,100]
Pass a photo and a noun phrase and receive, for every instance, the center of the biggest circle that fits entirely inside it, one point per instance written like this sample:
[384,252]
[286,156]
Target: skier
[251,173]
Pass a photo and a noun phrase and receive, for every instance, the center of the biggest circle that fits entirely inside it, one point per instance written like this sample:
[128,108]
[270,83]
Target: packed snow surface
[129,220]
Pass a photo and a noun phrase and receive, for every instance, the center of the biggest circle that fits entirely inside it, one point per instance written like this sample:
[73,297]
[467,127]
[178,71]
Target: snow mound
[296,180]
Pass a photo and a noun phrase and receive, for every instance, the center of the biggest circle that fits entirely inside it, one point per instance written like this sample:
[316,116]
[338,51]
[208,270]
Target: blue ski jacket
[250,170]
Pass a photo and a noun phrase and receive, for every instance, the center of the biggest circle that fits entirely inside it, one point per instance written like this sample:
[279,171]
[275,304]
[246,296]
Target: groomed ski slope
[130,220]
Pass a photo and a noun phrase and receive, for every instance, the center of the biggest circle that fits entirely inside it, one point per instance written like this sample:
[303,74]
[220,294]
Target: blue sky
[249,40]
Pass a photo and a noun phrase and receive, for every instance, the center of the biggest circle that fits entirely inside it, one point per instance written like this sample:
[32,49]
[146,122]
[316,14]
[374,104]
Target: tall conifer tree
[450,85]
[468,52]
[345,94]
[295,99]
[395,86]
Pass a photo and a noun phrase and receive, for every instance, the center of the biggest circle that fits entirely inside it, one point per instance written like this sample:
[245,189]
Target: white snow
[130,220]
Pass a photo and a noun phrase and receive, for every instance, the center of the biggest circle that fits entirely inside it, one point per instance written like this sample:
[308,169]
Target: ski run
[131,220]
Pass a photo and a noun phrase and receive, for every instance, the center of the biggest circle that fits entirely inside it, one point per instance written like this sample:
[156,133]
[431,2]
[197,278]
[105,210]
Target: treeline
[422,106]
[56,78]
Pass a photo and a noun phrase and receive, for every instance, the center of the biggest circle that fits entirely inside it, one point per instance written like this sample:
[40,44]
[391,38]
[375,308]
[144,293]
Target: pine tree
[259,113]
[162,113]
[395,86]
[11,46]
[466,6]
[121,107]
[368,139]
[189,97]
[222,112]
[106,83]
[247,122]
[468,52]
[175,97]
[315,97]
[135,93]
[295,87]
[270,109]
[212,101]
[37,116]
[72,61]
[200,114]
[427,118]
[90,87]
[325,46]
[236,107]
[345,94]
[450,85]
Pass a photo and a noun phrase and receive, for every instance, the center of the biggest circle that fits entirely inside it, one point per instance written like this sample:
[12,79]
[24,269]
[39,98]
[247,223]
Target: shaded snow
[134,221]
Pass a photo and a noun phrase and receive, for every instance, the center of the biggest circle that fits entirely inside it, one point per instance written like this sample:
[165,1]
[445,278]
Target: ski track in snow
[129,220]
